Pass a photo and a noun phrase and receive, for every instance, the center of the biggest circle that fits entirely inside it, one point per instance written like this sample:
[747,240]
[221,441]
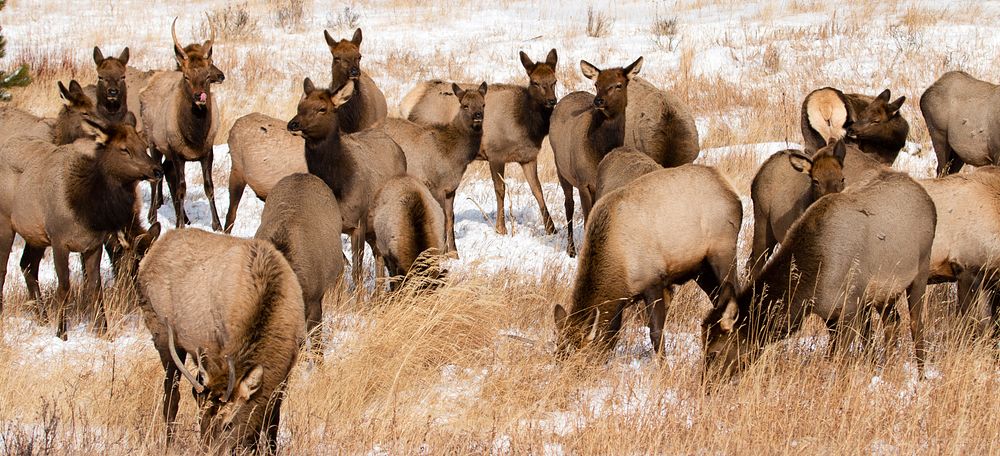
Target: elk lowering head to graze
[367,106]
[516,122]
[181,121]
[355,166]
[78,199]
[660,125]
[963,121]
[111,91]
[789,181]
[620,167]
[661,230]
[235,306]
[585,128]
[302,219]
[850,253]
[438,155]
[410,229]
[874,124]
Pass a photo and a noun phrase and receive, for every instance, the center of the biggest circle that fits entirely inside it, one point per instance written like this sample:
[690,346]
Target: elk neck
[606,133]
[326,159]
[100,200]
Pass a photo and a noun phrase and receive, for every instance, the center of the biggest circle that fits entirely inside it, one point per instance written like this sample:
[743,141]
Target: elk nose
[477,116]
[599,102]
[157,172]
[550,103]
[355,72]
[293,125]
[113,92]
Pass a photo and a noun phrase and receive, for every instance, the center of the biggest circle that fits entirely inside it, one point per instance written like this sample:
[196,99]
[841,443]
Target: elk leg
[530,170]
[357,257]
[170,174]
[586,202]
[379,261]
[237,184]
[6,243]
[449,224]
[60,256]
[915,298]
[31,258]
[890,328]
[569,204]
[272,423]
[657,299]
[179,194]
[832,328]
[206,174]
[973,297]
[763,242]
[156,187]
[499,188]
[171,388]
[943,151]
[92,288]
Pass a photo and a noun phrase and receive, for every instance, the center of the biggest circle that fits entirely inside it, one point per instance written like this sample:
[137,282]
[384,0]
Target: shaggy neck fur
[606,133]
[195,123]
[534,116]
[102,202]
[774,304]
[349,114]
[460,141]
[113,111]
[326,159]
[599,280]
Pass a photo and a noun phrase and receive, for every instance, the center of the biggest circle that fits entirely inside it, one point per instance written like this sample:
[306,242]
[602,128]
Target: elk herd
[837,233]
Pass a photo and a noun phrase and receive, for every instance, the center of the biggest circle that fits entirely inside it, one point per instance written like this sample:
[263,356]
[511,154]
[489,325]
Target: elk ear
[840,151]
[98,55]
[356,39]
[593,329]
[63,93]
[727,322]
[589,70]
[207,48]
[800,162]
[560,315]
[526,62]
[308,86]
[130,119]
[884,96]
[483,88]
[343,95]
[329,39]
[123,57]
[552,59]
[96,129]
[632,70]
[144,241]
[180,56]
[459,93]
[896,105]
[250,384]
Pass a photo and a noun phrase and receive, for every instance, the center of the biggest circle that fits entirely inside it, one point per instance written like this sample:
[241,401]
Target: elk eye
[123,150]
[815,181]
[336,59]
[322,110]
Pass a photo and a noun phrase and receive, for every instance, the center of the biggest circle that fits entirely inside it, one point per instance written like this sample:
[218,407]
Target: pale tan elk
[367,105]
[789,181]
[584,129]
[236,307]
[516,121]
[660,125]
[181,120]
[620,167]
[962,119]
[355,166]
[850,253]
[408,223]
[874,124]
[78,199]
[438,155]
[302,220]
[661,230]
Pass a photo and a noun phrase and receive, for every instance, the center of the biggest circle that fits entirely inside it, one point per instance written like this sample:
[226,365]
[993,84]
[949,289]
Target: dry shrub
[234,22]
[598,23]
[344,20]
[288,14]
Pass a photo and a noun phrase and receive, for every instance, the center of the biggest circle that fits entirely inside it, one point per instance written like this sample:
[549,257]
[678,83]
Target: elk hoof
[501,229]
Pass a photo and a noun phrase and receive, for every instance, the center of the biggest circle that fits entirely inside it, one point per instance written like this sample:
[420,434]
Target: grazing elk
[516,121]
[438,155]
[661,230]
[585,128]
[302,220]
[851,252]
[962,120]
[874,124]
[789,181]
[236,307]
[620,167]
[78,199]
[408,223]
[181,121]
[660,125]
[355,166]
[367,104]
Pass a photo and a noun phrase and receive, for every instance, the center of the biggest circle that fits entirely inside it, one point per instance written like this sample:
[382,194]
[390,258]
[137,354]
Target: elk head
[346,58]
[121,151]
[577,330]
[873,121]
[317,111]
[612,86]
[111,76]
[825,169]
[199,73]
[726,336]
[473,104]
[542,78]
[76,105]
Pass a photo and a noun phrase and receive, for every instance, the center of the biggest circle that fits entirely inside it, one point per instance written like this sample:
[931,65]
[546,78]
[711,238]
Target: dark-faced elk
[367,104]
[874,124]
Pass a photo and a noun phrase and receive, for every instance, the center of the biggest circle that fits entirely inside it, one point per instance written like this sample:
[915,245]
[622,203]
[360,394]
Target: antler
[177,44]
[198,387]
[232,378]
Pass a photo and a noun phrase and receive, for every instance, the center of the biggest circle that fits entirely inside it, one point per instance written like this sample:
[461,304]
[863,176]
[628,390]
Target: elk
[79,198]
[111,91]
[302,220]
[850,253]
[660,125]
[235,306]
[962,122]
[620,167]
[688,229]
[181,122]
[438,155]
[585,128]
[408,224]
[516,121]
[874,124]
[367,105]
[355,166]
[789,181]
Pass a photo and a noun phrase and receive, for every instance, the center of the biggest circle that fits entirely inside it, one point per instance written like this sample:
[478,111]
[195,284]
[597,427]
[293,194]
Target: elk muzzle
[294,125]
[600,103]
[355,73]
[201,99]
